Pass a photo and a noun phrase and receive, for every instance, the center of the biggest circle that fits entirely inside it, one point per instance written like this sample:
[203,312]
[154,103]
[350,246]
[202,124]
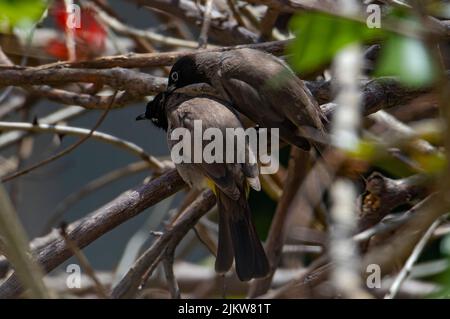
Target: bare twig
[235,12]
[100,289]
[91,187]
[268,22]
[122,28]
[17,250]
[137,83]
[158,59]
[203,37]
[70,112]
[406,270]
[82,99]
[51,250]
[129,285]
[168,270]
[68,130]
[223,30]
[277,233]
[66,150]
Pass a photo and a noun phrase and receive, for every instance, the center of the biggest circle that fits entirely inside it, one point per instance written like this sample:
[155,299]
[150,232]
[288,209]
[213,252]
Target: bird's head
[155,111]
[186,71]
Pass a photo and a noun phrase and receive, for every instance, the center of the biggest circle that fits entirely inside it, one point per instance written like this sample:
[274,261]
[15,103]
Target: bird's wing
[227,176]
[273,86]
[247,100]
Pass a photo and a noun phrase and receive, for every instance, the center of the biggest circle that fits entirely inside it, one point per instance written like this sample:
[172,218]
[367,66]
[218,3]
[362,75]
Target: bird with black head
[230,182]
[260,86]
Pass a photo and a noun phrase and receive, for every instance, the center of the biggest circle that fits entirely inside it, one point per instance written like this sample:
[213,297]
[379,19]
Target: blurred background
[391,143]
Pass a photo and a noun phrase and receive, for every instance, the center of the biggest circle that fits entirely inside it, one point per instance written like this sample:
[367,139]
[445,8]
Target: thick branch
[51,250]
[135,83]
[383,194]
[133,60]
[223,30]
[82,132]
[187,220]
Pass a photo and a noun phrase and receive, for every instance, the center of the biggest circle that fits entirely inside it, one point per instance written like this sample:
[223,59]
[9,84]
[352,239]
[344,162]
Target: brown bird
[229,181]
[260,86]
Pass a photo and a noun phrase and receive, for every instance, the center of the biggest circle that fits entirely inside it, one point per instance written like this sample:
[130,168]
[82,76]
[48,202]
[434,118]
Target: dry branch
[383,194]
[128,286]
[142,60]
[16,248]
[76,131]
[135,83]
[277,233]
[223,30]
[51,250]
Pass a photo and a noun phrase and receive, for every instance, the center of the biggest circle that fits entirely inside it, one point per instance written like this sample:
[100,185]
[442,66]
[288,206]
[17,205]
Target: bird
[260,86]
[230,182]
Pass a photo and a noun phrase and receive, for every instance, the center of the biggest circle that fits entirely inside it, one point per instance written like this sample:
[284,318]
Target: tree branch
[51,250]
[130,283]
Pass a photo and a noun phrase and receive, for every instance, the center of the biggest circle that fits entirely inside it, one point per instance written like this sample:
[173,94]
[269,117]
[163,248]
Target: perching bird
[260,86]
[229,181]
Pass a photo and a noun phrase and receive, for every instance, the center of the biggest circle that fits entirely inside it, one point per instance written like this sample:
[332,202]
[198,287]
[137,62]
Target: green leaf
[320,36]
[408,59]
[18,13]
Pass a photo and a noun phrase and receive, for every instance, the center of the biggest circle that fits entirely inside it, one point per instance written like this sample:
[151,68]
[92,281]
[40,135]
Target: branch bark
[52,250]
[130,283]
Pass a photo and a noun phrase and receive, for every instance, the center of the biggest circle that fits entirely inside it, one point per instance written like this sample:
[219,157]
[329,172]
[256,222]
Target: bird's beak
[141,117]
[171,88]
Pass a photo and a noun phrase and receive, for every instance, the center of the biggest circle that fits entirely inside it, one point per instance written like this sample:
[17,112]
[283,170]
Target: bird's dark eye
[174,76]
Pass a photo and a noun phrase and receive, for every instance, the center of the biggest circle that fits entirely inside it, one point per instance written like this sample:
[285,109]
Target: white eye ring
[174,76]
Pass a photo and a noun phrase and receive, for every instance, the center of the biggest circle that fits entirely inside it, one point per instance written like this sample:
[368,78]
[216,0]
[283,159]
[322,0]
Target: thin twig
[91,187]
[145,265]
[51,250]
[406,270]
[278,229]
[268,22]
[66,150]
[17,249]
[235,12]
[68,130]
[203,37]
[100,289]
[168,270]
[70,112]
[120,27]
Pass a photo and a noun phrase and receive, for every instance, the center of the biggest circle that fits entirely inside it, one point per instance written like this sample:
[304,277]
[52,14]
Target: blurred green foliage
[319,37]
[444,278]
[408,59]
[377,155]
[21,13]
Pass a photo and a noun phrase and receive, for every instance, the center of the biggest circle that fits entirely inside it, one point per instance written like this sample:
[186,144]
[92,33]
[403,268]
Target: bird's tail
[238,237]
